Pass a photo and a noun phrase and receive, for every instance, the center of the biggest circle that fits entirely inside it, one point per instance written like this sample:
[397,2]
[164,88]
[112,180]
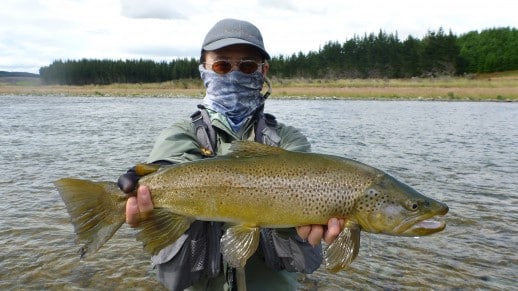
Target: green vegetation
[102,72]
[381,56]
[477,66]
[492,50]
[385,56]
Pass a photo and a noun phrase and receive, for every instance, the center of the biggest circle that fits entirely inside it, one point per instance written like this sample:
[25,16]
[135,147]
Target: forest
[374,55]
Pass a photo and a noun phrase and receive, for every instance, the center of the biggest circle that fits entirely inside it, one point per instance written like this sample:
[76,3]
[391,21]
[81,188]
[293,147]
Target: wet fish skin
[257,186]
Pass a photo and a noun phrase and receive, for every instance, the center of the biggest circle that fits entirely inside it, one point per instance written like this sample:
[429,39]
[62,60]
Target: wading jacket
[194,260]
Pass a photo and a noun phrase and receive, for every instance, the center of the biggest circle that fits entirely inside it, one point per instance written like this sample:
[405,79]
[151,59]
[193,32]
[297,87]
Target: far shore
[487,87]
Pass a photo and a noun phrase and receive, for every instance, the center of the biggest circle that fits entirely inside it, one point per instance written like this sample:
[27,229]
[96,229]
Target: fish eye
[412,205]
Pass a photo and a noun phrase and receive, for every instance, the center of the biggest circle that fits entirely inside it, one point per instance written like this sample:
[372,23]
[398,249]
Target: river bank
[486,87]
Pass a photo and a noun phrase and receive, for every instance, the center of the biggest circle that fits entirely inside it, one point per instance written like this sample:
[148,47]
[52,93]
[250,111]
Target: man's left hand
[313,234]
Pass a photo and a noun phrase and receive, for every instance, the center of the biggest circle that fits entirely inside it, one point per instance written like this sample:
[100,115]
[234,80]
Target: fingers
[144,202]
[334,226]
[313,234]
[132,212]
[303,231]
[139,207]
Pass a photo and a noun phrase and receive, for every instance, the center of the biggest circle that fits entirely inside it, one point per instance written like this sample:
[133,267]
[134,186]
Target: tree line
[380,55]
[103,72]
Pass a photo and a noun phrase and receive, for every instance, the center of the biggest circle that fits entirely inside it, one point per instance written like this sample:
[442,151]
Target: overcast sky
[35,33]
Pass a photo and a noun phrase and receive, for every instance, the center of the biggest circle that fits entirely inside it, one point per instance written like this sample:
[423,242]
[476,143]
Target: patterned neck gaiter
[236,95]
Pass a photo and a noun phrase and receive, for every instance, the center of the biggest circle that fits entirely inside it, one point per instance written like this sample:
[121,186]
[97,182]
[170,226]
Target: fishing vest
[265,131]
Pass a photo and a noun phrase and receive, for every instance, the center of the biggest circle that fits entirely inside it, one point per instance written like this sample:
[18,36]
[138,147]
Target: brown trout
[252,187]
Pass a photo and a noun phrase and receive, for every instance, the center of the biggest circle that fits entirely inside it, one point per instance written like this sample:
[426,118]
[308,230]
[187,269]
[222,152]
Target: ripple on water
[460,153]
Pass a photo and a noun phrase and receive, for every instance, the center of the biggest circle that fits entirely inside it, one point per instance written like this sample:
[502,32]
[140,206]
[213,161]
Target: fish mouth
[423,225]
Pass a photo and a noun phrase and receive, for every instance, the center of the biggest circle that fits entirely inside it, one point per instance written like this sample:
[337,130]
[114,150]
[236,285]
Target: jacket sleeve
[283,248]
[176,144]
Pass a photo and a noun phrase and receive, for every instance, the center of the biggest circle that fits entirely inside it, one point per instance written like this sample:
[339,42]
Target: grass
[484,87]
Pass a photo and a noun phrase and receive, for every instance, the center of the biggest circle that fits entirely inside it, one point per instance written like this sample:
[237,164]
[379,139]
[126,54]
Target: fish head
[391,207]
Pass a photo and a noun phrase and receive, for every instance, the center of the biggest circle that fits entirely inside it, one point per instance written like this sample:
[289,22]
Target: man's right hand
[138,207]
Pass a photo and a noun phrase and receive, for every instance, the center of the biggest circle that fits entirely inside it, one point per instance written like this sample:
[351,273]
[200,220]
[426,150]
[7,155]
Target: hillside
[19,78]
[18,74]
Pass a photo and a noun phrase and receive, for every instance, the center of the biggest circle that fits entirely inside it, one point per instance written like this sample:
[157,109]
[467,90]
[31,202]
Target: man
[233,68]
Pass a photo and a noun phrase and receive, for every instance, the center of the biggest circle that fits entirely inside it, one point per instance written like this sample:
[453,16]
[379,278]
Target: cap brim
[232,41]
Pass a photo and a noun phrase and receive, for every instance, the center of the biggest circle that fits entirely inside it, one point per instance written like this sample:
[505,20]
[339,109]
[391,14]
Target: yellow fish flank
[252,187]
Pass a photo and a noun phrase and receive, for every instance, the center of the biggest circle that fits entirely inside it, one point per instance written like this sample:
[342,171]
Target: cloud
[278,4]
[154,9]
[165,29]
[161,52]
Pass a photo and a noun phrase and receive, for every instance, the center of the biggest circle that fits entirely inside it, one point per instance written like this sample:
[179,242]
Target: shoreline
[401,93]
[501,87]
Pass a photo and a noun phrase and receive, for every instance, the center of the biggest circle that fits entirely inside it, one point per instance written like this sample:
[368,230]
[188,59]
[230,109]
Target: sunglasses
[245,66]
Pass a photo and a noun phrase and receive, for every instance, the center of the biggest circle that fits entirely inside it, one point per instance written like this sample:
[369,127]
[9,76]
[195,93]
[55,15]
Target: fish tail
[97,210]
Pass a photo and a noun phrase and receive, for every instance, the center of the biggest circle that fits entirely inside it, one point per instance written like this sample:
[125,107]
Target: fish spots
[269,187]
[325,200]
[373,200]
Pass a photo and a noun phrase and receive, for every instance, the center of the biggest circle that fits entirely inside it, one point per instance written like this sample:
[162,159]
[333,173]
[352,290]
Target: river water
[464,154]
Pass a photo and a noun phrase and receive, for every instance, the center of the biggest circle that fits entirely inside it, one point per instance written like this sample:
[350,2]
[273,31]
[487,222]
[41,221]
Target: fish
[256,186]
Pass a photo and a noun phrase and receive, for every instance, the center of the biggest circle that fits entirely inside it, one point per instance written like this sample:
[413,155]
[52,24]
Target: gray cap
[232,31]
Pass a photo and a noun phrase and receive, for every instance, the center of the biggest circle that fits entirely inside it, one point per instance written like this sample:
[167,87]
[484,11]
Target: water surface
[464,154]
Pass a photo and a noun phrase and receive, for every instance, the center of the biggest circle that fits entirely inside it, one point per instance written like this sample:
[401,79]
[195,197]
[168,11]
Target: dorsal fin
[248,149]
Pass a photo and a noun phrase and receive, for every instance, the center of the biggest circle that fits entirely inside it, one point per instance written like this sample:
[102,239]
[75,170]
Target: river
[462,153]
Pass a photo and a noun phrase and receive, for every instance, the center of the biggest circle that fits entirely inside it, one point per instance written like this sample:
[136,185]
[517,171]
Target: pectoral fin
[344,249]
[161,229]
[239,243]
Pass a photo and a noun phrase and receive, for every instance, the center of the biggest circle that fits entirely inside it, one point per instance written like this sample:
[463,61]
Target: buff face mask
[236,95]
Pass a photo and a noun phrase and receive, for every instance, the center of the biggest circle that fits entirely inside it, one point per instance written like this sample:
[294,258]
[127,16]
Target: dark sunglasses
[245,66]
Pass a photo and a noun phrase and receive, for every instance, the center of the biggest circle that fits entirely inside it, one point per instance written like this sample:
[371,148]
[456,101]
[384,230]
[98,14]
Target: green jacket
[193,260]
[179,142]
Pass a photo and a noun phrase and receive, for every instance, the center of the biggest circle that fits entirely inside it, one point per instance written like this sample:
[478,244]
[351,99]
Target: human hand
[138,207]
[313,234]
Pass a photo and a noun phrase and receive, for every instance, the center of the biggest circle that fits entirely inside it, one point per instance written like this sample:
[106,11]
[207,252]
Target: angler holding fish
[233,190]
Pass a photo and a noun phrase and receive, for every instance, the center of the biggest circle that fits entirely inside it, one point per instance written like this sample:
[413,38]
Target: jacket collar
[220,121]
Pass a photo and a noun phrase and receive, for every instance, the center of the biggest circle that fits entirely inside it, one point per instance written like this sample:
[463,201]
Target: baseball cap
[233,31]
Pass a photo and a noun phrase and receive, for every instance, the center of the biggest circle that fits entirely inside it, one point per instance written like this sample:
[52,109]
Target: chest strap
[204,131]
[265,131]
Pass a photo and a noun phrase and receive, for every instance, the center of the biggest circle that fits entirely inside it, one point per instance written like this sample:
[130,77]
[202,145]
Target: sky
[34,33]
